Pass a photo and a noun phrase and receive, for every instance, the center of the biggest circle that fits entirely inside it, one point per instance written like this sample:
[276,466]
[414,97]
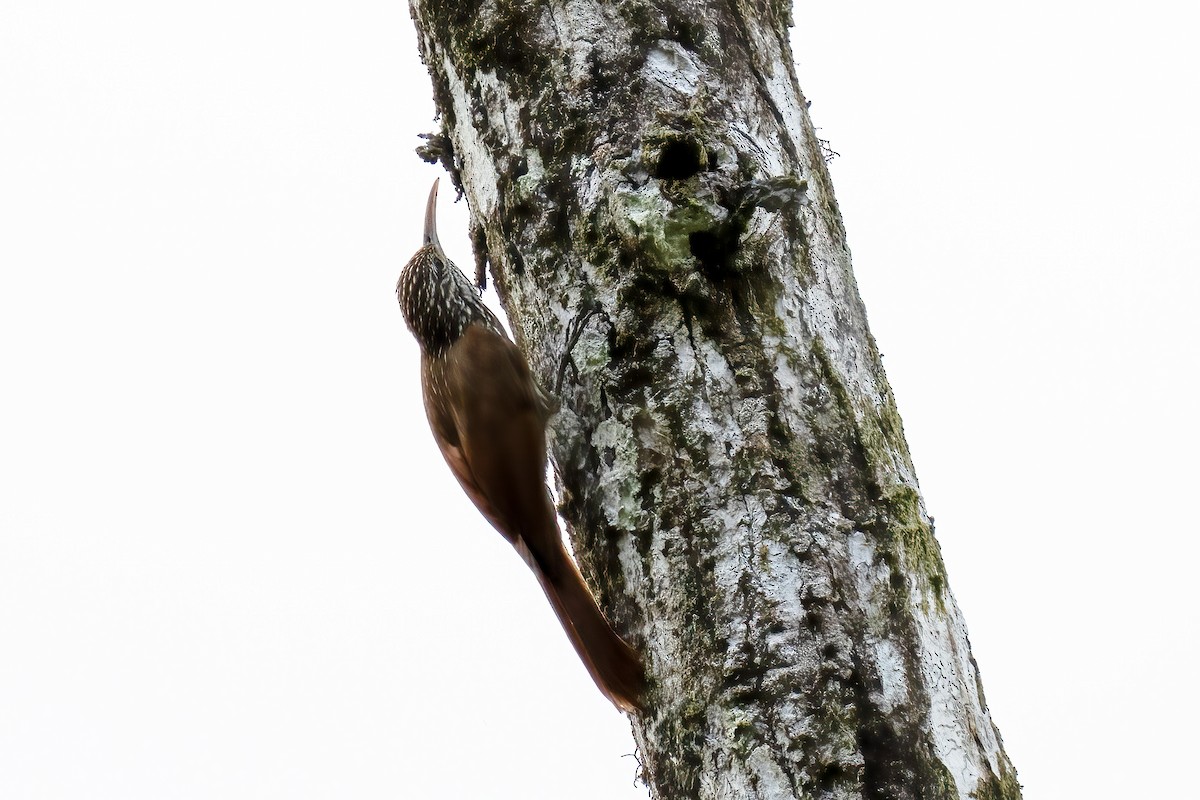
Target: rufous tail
[614,665]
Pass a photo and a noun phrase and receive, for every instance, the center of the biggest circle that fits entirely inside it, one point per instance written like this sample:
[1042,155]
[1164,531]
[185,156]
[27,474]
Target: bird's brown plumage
[489,422]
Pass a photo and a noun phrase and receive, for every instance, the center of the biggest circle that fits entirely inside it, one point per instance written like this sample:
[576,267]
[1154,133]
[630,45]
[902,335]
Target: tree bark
[648,190]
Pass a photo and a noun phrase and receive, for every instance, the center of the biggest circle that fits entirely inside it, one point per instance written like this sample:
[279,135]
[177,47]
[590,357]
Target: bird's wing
[493,437]
[445,434]
[500,431]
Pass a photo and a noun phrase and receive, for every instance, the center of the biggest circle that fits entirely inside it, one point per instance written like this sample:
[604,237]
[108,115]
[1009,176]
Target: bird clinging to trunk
[489,420]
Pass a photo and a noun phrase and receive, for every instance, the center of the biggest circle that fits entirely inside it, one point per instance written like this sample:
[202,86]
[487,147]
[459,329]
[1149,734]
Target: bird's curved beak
[431,236]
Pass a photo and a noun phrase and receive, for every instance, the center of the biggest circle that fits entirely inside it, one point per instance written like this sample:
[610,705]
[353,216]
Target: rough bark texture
[648,191]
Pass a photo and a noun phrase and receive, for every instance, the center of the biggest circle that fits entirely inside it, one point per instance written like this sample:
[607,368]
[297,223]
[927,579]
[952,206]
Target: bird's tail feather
[614,665]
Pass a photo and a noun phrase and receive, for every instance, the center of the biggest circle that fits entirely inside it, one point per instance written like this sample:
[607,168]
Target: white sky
[232,564]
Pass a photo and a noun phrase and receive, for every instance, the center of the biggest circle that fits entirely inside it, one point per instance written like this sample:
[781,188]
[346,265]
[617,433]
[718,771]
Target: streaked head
[437,300]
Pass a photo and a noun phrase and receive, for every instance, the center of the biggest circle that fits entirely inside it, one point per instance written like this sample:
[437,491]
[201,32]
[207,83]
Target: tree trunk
[646,185]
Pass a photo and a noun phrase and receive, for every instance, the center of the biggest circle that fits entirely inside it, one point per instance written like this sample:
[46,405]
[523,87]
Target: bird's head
[437,300]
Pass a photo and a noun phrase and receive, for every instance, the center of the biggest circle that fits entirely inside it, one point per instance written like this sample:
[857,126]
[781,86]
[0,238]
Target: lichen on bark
[653,203]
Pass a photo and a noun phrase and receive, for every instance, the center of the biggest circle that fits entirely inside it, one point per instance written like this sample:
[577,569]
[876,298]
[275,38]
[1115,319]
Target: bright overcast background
[233,565]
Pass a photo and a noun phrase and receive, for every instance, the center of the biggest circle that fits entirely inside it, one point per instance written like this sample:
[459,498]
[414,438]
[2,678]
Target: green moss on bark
[1004,786]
